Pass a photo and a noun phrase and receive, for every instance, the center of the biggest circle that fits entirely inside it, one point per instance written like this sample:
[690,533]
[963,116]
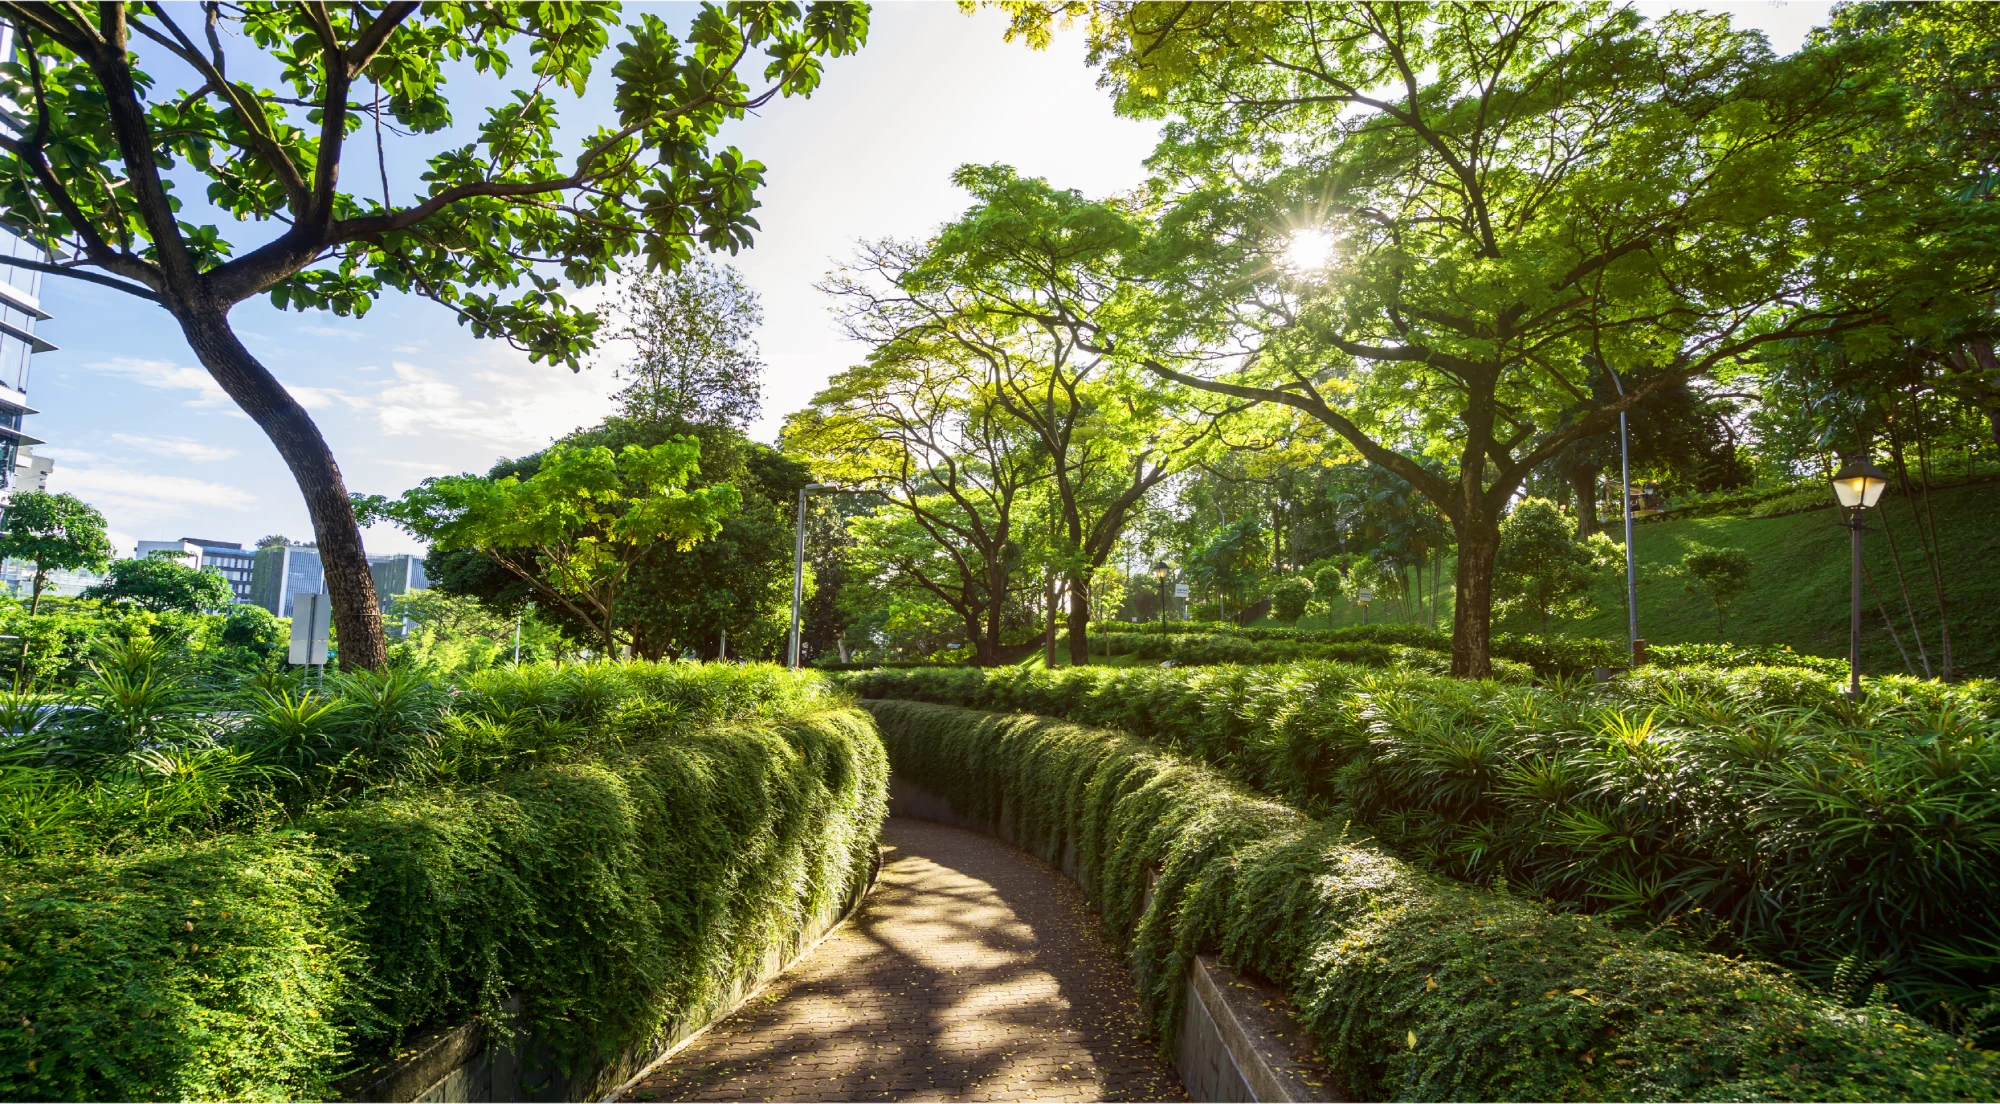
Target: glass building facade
[281,573]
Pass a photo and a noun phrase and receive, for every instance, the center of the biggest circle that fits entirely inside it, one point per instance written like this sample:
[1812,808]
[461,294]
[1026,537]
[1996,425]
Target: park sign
[312,616]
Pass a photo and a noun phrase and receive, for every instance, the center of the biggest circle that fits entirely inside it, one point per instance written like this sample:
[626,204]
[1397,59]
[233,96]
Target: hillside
[1799,584]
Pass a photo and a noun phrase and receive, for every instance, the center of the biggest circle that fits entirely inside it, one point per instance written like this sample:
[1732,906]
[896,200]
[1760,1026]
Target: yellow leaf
[1430,983]
[1579,992]
[1413,1040]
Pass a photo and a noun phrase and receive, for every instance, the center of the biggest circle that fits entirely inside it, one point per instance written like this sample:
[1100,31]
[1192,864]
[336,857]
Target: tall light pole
[799,559]
[1625,492]
[1857,486]
[1160,572]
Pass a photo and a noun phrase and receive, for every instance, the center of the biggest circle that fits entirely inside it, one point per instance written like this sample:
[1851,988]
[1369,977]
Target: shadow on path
[972,972]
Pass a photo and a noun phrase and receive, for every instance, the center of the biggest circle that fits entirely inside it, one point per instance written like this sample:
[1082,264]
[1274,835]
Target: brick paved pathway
[972,972]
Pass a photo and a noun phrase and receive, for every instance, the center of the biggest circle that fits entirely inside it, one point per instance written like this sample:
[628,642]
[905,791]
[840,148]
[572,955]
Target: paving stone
[972,972]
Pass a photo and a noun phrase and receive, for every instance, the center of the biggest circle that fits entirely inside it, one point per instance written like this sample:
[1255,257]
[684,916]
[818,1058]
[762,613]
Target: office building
[234,562]
[282,572]
[396,574]
[20,309]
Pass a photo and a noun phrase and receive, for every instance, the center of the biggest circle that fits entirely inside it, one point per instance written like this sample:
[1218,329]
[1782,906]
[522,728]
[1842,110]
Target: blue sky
[137,428]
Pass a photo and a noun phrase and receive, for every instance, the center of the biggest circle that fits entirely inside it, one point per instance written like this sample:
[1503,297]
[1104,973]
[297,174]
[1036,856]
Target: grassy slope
[1799,585]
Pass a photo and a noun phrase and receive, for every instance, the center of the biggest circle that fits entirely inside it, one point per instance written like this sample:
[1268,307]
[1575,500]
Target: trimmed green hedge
[1548,655]
[612,844]
[1211,649]
[1415,987]
[1757,809]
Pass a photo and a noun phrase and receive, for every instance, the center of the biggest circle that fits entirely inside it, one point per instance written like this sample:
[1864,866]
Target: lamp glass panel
[1871,491]
[1848,491]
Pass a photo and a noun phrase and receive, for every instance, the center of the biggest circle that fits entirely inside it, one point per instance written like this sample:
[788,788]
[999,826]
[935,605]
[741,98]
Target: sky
[137,428]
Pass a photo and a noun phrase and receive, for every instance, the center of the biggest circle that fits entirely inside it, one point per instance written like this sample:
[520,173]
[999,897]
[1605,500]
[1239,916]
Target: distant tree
[575,529]
[1328,583]
[696,360]
[1234,556]
[276,540]
[1541,566]
[1720,575]
[99,149]
[161,582]
[1289,598]
[55,532]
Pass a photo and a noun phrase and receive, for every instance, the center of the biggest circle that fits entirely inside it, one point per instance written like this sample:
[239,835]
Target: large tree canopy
[1423,225]
[91,174]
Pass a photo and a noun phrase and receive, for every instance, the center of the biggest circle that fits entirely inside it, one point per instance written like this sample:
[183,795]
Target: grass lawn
[1799,583]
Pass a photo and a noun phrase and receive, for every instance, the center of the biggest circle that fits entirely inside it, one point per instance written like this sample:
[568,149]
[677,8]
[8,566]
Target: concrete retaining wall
[1237,1041]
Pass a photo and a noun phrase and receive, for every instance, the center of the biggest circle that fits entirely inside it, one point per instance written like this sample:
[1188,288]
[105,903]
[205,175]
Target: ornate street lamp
[1160,572]
[1857,487]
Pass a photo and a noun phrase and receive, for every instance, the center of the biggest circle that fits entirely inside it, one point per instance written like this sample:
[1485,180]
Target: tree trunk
[1472,617]
[1079,624]
[356,617]
[1583,481]
[1049,630]
[35,603]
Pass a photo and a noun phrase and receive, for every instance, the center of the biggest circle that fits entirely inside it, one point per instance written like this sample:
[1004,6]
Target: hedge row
[646,836]
[1414,987]
[1756,810]
[1210,649]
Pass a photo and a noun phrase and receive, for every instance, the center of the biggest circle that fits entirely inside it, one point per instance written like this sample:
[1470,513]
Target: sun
[1308,250]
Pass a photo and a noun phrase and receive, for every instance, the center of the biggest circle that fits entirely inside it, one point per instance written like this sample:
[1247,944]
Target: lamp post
[1160,572]
[799,560]
[1857,486]
[1625,492]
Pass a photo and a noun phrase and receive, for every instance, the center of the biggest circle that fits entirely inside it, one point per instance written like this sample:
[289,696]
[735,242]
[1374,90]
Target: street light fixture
[1625,492]
[1857,486]
[1160,572]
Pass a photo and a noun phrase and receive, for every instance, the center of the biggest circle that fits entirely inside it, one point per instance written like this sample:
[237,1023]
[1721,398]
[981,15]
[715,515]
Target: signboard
[312,616]
[1180,590]
[1364,596]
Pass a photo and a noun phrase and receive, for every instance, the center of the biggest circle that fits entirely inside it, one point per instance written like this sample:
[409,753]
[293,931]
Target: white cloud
[165,375]
[67,455]
[170,446]
[144,495]
[504,405]
[324,398]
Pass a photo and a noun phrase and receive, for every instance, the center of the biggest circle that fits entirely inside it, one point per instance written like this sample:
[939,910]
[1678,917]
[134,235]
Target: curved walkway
[972,972]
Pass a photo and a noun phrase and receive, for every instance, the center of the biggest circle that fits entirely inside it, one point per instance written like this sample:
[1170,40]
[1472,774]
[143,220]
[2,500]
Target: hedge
[1757,810]
[643,836]
[1548,655]
[1414,987]
[1210,649]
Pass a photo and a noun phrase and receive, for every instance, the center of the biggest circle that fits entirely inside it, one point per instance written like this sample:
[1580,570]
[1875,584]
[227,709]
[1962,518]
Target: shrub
[1757,808]
[1414,987]
[615,843]
[1289,598]
[1553,655]
[1210,649]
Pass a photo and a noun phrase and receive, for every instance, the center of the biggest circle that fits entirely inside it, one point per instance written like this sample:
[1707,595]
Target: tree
[161,582]
[1000,287]
[91,174]
[1413,222]
[55,532]
[1541,566]
[575,529]
[277,540]
[696,362]
[1289,598]
[1720,575]
[924,431]
[1328,584]
[1234,557]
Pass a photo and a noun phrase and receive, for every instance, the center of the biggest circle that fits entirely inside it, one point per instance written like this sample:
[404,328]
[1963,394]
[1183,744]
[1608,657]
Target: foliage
[1549,656]
[1541,566]
[55,532]
[1719,575]
[616,843]
[506,209]
[1234,557]
[448,634]
[1289,598]
[1755,809]
[1209,649]
[575,529]
[1414,988]
[695,359]
[161,582]
[1731,656]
